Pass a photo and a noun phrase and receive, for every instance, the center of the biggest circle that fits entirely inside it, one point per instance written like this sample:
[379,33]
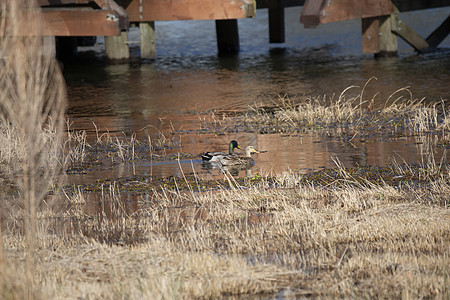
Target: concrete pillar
[148,39]
[117,47]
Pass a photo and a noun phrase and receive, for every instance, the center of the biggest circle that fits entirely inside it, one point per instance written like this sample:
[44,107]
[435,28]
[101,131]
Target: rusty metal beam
[169,10]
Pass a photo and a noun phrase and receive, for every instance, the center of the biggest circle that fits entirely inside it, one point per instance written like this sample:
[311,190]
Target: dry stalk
[32,105]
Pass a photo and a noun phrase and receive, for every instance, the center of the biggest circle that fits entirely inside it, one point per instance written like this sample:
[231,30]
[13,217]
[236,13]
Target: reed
[32,105]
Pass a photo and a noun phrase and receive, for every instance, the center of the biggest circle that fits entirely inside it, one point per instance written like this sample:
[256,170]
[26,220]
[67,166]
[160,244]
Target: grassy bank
[297,239]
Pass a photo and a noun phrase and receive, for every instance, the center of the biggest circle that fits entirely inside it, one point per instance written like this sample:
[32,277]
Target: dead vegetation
[293,238]
[299,239]
[346,115]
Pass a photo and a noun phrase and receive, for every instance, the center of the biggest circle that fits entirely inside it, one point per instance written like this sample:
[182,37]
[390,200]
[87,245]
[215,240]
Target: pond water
[188,81]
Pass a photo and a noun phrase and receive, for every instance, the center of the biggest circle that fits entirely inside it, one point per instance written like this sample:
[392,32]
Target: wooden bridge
[112,18]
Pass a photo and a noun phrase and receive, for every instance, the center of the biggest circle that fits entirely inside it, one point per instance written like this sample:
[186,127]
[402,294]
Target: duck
[236,160]
[216,156]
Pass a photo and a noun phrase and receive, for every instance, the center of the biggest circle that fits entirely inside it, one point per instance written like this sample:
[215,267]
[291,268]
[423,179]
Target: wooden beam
[73,22]
[309,16]
[407,33]
[316,12]
[112,5]
[437,36]
[169,10]
[370,35]
[76,22]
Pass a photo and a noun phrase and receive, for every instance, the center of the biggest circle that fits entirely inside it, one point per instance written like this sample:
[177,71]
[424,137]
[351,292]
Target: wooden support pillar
[148,39]
[227,36]
[117,47]
[276,24]
[407,34]
[388,40]
[370,35]
[437,36]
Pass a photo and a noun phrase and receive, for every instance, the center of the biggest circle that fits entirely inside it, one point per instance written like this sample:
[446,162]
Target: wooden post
[117,47]
[370,35]
[227,36]
[147,36]
[388,40]
[437,36]
[276,24]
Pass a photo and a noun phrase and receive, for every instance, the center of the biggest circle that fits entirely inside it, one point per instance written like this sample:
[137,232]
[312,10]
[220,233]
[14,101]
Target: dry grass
[402,114]
[346,241]
[32,104]
[112,147]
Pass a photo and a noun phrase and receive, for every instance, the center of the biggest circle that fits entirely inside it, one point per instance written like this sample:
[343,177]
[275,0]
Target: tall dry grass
[345,240]
[32,105]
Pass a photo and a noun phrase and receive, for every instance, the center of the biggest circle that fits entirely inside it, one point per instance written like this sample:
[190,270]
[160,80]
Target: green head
[232,146]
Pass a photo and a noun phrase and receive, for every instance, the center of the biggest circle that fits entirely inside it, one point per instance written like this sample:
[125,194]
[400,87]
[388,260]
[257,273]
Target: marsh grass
[113,148]
[344,240]
[345,235]
[351,237]
[348,116]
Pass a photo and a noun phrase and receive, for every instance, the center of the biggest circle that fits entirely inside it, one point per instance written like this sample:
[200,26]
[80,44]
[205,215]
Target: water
[188,81]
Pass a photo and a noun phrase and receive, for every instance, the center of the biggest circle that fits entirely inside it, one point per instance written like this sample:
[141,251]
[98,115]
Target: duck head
[233,145]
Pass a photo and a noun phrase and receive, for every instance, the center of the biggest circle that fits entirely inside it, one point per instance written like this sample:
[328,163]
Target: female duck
[234,160]
[216,156]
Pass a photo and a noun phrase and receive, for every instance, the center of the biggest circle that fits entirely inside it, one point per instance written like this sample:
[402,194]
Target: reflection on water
[188,82]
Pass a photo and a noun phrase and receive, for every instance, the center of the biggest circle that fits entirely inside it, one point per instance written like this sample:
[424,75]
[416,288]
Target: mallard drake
[215,156]
[234,160]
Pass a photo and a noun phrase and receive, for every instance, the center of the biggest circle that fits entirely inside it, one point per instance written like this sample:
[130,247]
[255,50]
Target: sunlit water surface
[188,82]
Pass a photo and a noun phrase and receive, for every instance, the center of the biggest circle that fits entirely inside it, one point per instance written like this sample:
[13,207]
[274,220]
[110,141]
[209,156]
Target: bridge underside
[111,18]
